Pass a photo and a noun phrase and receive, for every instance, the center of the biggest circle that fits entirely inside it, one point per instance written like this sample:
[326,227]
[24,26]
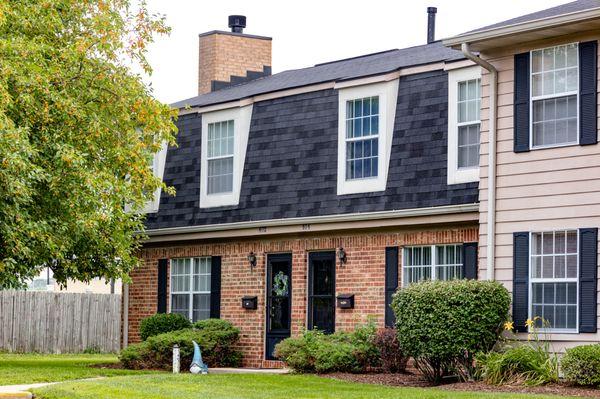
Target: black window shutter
[521,103]
[469,256]
[588,265]
[588,94]
[391,283]
[162,286]
[520,280]
[215,287]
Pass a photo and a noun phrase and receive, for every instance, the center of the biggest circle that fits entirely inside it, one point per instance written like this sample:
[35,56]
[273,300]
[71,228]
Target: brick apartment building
[308,197]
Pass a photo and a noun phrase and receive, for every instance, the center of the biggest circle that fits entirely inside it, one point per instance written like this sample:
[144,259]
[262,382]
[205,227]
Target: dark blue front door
[279,300]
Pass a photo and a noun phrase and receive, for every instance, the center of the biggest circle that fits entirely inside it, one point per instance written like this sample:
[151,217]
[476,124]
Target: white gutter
[491,211]
[125,298]
[352,217]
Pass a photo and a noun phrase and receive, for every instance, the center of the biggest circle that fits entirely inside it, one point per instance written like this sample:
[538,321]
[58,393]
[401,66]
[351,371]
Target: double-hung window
[554,279]
[362,138]
[468,104]
[220,157]
[190,287]
[554,96]
[464,104]
[432,262]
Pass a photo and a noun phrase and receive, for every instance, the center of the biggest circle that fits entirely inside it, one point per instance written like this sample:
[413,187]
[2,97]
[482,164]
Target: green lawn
[30,368]
[230,386]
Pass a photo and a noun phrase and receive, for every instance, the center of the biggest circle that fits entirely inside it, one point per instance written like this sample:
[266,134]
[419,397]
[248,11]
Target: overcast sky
[306,32]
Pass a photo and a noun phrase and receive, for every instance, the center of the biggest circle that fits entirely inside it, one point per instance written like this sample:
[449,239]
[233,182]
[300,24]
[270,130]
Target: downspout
[491,211]
[125,299]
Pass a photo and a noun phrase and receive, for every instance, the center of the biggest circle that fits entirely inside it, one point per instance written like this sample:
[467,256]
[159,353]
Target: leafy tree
[77,128]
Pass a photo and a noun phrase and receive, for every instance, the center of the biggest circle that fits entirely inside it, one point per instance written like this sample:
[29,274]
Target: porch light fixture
[252,259]
[342,256]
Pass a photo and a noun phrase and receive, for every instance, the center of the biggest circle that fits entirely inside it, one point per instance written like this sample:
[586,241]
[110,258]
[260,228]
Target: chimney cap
[432,10]
[237,23]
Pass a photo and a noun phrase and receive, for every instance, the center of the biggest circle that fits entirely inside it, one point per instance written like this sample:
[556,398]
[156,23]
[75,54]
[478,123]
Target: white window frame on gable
[386,95]
[240,118]
[158,169]
[456,174]
[554,82]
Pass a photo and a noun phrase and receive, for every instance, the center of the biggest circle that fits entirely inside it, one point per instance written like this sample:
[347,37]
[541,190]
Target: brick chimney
[230,58]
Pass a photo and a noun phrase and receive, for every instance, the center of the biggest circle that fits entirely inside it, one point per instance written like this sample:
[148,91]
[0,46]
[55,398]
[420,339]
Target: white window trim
[191,292]
[550,96]
[241,117]
[433,260]
[552,280]
[388,94]
[456,175]
[158,168]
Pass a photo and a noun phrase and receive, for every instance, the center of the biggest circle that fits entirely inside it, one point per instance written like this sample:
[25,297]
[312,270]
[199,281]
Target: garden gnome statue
[197,365]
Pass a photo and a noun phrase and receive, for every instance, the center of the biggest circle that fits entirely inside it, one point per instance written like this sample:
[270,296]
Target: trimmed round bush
[581,365]
[218,347]
[442,324]
[162,323]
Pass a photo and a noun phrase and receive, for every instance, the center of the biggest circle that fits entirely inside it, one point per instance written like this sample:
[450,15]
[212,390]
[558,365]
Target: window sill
[461,176]
[547,147]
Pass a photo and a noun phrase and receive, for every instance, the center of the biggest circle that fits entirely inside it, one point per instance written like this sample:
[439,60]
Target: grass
[231,386]
[31,368]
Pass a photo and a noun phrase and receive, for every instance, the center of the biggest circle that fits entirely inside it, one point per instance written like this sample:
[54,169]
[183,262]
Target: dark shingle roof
[351,68]
[575,6]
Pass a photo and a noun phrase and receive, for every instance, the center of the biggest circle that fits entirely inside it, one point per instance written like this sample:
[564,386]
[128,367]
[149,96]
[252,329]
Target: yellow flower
[508,326]
[529,336]
[529,323]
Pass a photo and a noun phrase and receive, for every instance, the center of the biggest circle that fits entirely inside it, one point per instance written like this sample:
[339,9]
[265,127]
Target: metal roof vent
[237,23]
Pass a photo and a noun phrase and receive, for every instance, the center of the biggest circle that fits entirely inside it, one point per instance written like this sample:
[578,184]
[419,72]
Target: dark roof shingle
[351,68]
[574,6]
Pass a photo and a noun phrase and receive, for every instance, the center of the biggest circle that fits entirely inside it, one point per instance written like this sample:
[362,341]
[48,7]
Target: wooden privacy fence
[49,322]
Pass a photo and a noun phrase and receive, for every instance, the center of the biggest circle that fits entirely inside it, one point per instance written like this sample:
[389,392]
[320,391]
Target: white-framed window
[365,132]
[362,138]
[223,153]
[157,166]
[220,157]
[432,262]
[464,104]
[553,280]
[190,287]
[554,96]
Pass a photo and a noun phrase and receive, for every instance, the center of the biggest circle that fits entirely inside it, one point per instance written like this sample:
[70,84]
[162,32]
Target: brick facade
[222,55]
[362,275]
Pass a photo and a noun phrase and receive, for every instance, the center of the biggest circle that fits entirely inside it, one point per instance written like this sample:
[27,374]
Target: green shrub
[392,358]
[314,351]
[530,364]
[162,323]
[218,347]
[581,365]
[442,324]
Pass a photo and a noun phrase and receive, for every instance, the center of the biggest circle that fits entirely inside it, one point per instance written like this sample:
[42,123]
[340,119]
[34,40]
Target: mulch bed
[412,379]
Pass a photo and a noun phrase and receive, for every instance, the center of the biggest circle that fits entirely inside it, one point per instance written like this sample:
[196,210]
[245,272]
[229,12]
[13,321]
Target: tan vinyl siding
[539,190]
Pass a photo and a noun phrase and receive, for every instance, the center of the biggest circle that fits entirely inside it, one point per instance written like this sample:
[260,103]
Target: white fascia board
[388,95]
[455,175]
[241,117]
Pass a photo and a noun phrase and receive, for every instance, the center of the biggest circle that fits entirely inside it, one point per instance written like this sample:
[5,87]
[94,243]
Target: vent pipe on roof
[237,23]
[431,11]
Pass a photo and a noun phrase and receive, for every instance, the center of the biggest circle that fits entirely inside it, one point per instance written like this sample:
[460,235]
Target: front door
[279,301]
[321,291]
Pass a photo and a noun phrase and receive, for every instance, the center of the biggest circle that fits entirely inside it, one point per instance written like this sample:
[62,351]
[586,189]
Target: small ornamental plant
[581,365]
[531,362]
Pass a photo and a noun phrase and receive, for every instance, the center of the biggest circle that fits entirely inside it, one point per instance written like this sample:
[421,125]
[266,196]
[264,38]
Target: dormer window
[464,103]
[223,152]
[220,157]
[362,138]
[365,132]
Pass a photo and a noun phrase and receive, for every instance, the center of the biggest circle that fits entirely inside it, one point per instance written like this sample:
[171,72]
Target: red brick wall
[362,275]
